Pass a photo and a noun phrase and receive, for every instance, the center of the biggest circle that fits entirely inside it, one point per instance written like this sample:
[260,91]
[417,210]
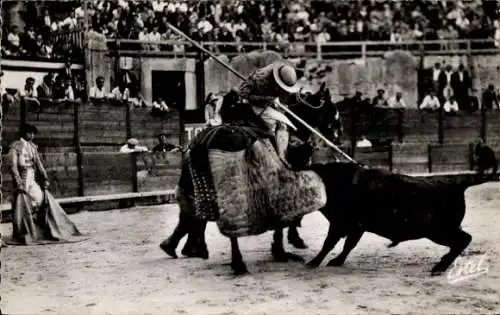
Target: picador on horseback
[250,115]
[266,86]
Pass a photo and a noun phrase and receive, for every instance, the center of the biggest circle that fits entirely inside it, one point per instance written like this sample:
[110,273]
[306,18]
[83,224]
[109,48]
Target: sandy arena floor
[121,270]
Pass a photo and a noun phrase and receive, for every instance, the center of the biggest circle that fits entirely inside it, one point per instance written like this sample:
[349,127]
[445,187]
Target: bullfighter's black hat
[27,128]
[162,133]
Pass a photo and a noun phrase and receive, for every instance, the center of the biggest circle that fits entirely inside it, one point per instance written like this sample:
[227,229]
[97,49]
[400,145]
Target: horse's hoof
[294,257]
[239,269]
[335,262]
[195,253]
[297,243]
[168,249]
[285,257]
[436,273]
[393,244]
[438,270]
[312,264]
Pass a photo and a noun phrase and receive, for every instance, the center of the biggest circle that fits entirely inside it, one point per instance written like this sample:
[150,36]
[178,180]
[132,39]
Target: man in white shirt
[205,26]
[396,101]
[158,6]
[451,105]
[182,7]
[98,92]
[71,21]
[323,37]
[212,110]
[29,90]
[160,105]
[68,90]
[363,143]
[154,36]
[7,99]
[14,40]
[47,20]
[132,145]
[120,94]
[430,101]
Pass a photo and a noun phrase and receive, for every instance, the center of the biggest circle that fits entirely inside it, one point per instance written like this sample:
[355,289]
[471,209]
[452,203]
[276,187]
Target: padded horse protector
[255,192]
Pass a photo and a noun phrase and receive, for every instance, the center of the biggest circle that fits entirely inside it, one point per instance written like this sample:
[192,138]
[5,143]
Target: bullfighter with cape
[37,216]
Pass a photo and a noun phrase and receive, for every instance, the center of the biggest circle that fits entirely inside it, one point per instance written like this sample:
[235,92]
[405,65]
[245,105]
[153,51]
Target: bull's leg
[278,251]
[332,238]
[350,242]
[457,241]
[293,235]
[237,263]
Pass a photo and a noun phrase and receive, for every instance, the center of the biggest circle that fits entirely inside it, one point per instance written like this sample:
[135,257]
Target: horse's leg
[278,251]
[293,235]
[187,224]
[170,244]
[237,263]
[195,245]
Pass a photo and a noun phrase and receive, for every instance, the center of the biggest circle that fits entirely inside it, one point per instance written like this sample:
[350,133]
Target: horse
[318,111]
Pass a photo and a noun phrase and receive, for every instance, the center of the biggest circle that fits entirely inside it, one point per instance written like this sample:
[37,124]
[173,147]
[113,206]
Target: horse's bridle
[303,101]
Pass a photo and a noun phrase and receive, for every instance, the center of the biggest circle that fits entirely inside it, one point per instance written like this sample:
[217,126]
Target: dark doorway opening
[170,86]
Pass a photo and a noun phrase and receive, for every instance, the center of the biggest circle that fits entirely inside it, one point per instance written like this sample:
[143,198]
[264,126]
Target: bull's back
[403,208]
[391,205]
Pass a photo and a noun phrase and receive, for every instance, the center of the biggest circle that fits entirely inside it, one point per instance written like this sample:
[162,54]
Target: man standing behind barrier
[164,145]
[98,93]
[264,87]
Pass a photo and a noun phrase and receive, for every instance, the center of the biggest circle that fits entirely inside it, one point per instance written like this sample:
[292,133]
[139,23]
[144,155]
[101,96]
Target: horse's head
[318,111]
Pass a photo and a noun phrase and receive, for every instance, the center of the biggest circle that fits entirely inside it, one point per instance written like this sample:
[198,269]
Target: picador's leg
[281,141]
[293,234]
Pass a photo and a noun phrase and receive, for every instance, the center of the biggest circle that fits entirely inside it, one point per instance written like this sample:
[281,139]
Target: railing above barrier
[354,49]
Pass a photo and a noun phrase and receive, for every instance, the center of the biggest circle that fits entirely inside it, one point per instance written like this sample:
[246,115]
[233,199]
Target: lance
[241,76]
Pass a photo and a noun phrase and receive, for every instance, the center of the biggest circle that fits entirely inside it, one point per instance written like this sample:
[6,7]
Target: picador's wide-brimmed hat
[27,128]
[286,77]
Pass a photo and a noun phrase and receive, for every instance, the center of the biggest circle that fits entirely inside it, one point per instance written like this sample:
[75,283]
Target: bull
[395,206]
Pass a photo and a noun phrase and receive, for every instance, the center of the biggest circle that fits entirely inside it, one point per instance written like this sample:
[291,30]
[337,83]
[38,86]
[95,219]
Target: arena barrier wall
[79,144]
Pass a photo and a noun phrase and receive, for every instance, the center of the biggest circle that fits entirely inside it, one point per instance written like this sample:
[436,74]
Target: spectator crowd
[62,86]
[451,89]
[40,36]
[281,22]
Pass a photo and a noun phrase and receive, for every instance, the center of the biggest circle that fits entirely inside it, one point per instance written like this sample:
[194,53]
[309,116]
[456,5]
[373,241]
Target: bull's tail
[393,244]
